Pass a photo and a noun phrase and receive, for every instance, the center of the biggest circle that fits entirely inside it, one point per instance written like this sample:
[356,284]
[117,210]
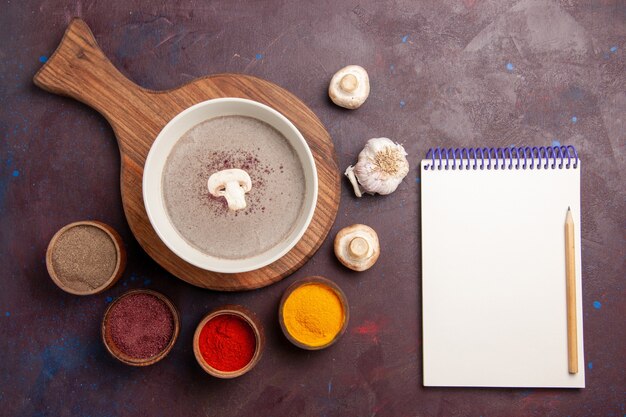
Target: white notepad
[493,263]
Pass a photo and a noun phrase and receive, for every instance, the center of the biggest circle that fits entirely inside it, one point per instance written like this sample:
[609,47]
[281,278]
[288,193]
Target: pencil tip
[568,209]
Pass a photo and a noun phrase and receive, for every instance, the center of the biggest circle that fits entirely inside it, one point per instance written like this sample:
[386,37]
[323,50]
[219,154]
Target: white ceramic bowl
[153,184]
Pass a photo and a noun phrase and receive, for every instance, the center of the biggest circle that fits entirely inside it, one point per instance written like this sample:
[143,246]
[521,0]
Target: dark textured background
[444,73]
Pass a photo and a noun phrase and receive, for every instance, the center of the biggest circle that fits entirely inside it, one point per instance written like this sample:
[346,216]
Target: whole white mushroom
[357,247]
[349,87]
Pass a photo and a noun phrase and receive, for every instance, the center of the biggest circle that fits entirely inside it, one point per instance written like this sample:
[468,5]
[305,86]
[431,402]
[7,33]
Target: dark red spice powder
[227,343]
[140,325]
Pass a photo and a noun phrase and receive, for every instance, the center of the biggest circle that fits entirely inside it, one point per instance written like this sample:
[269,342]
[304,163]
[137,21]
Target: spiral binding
[523,157]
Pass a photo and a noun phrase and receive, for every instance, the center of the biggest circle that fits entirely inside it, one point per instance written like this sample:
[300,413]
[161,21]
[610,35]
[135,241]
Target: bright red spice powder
[227,343]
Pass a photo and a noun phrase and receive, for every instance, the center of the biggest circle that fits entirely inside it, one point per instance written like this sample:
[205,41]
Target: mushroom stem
[235,196]
[358,248]
[349,83]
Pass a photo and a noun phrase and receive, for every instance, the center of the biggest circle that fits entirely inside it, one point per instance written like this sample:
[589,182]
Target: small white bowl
[153,184]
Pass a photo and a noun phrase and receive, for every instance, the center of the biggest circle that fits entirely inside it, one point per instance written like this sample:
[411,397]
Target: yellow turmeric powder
[313,314]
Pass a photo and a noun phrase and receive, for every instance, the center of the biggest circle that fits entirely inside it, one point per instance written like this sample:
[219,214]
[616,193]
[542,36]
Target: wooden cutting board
[79,69]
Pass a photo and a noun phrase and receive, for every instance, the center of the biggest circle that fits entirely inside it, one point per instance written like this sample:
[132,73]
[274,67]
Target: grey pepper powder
[84,257]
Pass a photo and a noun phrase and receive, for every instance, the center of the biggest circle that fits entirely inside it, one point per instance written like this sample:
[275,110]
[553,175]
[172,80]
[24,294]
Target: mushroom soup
[273,203]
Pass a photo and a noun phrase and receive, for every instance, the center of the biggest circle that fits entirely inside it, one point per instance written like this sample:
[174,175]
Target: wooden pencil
[570,276]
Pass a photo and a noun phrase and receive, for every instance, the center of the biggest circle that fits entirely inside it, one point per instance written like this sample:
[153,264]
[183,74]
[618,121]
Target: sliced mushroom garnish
[357,247]
[232,184]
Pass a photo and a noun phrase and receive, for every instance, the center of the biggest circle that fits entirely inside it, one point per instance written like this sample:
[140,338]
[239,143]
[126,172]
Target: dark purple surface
[444,73]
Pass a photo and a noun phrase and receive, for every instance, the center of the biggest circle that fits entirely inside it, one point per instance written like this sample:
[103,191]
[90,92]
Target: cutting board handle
[79,69]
